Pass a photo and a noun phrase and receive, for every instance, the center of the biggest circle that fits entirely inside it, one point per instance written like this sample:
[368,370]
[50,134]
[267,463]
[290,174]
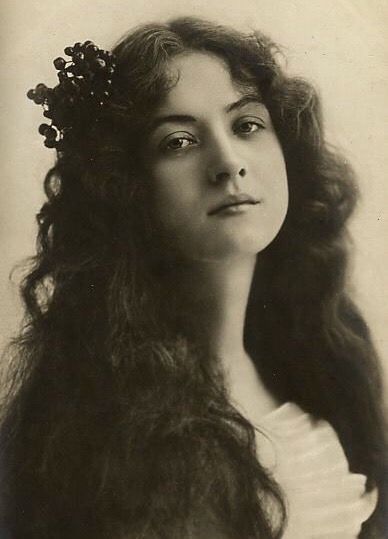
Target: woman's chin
[229,248]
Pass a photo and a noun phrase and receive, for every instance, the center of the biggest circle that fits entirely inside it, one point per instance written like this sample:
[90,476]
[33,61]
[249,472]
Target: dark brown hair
[116,424]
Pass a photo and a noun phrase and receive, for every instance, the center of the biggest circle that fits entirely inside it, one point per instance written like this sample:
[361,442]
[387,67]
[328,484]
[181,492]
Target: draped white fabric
[324,500]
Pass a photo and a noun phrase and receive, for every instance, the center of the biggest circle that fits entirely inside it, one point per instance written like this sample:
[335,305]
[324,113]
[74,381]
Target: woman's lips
[233,203]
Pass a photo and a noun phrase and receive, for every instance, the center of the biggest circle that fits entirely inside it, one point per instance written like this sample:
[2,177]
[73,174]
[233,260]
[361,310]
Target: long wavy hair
[117,424]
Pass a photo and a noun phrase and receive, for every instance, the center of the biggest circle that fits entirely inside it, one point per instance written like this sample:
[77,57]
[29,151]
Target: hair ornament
[85,85]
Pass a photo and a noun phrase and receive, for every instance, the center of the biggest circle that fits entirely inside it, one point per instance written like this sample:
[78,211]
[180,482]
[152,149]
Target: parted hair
[116,423]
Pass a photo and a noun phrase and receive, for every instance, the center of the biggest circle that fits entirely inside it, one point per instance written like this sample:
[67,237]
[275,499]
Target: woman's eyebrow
[186,118]
[178,118]
[244,100]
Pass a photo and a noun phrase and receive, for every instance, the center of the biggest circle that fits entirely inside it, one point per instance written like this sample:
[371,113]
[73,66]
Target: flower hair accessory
[85,85]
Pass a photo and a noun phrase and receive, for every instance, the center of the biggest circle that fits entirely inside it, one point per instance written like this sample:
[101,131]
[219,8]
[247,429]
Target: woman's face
[217,169]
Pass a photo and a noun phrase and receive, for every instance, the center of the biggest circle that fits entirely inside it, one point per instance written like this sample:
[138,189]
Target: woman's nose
[225,164]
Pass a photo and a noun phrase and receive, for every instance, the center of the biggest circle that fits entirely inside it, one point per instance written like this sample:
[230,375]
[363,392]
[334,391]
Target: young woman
[191,364]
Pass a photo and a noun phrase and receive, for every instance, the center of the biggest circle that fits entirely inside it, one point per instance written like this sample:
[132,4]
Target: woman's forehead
[201,80]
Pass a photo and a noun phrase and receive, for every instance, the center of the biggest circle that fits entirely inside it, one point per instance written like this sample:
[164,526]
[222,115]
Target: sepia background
[341,45]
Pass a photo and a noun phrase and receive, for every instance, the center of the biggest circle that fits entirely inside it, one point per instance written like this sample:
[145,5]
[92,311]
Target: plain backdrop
[341,45]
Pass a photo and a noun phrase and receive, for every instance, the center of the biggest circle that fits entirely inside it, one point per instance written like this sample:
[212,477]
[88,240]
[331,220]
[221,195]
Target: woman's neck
[216,295]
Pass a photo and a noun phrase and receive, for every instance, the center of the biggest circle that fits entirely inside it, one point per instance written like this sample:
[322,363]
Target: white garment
[324,500]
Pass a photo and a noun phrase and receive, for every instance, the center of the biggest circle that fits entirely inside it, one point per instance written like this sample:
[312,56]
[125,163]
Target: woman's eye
[175,142]
[178,143]
[246,127]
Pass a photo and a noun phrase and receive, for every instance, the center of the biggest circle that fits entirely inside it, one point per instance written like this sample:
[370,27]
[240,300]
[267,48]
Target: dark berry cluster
[84,87]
